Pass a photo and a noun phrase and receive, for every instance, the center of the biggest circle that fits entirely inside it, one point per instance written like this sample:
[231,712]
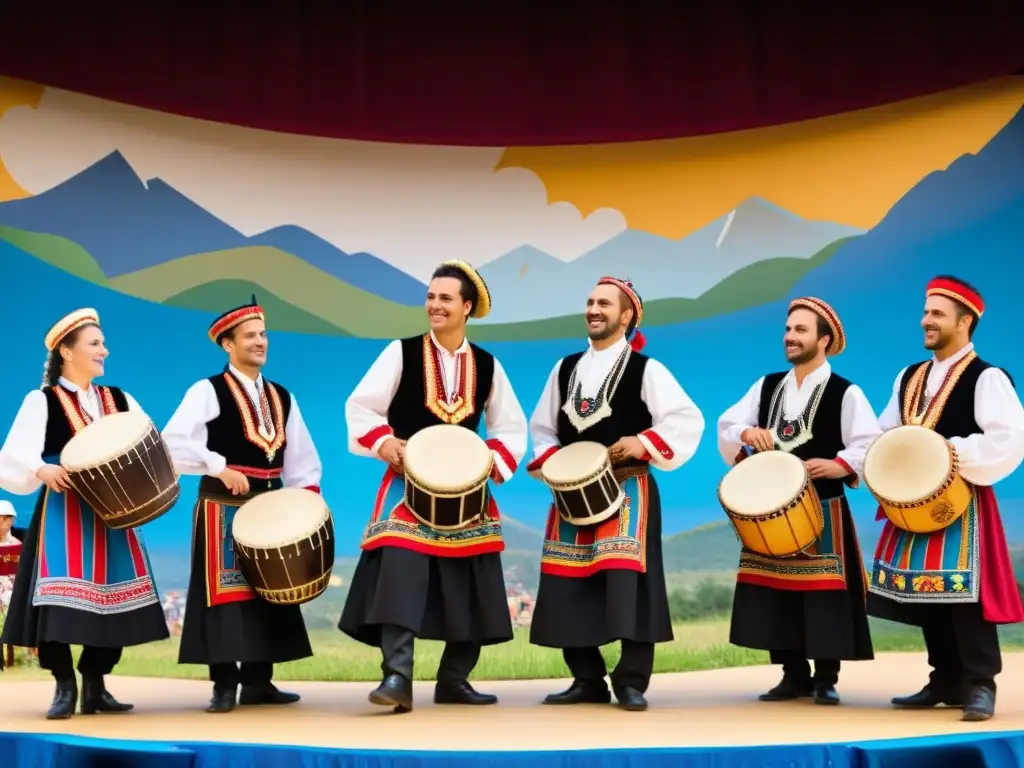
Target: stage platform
[696,719]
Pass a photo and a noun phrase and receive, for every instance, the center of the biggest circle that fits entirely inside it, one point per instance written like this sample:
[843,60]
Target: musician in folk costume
[957,583]
[10,554]
[811,605]
[413,580]
[606,582]
[78,582]
[244,435]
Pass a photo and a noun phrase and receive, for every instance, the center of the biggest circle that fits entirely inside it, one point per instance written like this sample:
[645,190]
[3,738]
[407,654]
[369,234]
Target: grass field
[697,646]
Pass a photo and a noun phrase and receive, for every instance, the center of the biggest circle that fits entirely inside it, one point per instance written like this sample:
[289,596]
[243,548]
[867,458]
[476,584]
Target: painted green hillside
[303,299]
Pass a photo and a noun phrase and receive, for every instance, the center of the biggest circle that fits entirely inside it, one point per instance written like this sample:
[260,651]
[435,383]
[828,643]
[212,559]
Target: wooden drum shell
[447,510]
[783,532]
[937,508]
[133,488]
[933,513]
[577,501]
[290,574]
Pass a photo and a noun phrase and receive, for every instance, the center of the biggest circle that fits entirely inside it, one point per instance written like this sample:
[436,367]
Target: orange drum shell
[934,513]
[784,532]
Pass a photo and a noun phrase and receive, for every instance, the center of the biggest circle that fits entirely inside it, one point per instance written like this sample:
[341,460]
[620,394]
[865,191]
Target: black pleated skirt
[609,605]
[822,624]
[248,631]
[454,599]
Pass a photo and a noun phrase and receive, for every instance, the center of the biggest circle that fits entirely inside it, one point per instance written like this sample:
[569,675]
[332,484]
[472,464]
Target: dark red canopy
[518,74]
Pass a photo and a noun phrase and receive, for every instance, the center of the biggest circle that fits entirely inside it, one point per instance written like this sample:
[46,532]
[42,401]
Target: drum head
[104,439]
[907,464]
[279,518]
[573,462]
[762,483]
[447,457]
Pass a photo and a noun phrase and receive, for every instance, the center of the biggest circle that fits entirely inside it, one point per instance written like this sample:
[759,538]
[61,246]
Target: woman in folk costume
[79,582]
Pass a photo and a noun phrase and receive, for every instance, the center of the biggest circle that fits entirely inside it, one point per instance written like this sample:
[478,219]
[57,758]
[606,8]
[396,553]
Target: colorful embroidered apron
[619,543]
[822,567]
[939,567]
[80,562]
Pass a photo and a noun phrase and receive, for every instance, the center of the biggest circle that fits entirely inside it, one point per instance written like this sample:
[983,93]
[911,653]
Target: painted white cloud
[410,205]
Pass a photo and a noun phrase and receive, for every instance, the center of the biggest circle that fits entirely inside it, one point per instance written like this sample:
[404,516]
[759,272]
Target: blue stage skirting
[971,750]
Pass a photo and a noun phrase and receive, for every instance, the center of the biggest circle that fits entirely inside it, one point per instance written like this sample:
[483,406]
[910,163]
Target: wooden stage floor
[715,708]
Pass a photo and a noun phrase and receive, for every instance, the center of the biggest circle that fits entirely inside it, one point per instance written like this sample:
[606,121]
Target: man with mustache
[413,580]
[244,435]
[810,606]
[606,582]
[957,594]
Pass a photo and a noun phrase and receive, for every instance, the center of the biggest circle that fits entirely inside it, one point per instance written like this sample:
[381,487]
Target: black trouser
[94,662]
[634,668]
[247,673]
[396,646]
[963,648]
[796,666]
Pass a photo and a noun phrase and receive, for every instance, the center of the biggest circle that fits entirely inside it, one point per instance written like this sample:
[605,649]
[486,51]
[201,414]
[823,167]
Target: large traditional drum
[284,544]
[446,472]
[583,483]
[772,504]
[913,472]
[120,466]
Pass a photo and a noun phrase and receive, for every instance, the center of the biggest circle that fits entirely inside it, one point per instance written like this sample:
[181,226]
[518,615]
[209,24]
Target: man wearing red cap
[958,593]
[809,606]
[606,582]
[244,435]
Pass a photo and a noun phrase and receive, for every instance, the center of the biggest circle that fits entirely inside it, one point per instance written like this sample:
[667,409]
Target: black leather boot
[581,692]
[96,698]
[929,697]
[223,700]
[394,691]
[65,698]
[461,693]
[790,688]
[265,693]
[631,699]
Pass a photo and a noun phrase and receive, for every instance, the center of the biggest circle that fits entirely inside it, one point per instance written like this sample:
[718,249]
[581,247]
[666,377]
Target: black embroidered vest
[58,428]
[827,427]
[957,419]
[231,433]
[629,412]
[409,411]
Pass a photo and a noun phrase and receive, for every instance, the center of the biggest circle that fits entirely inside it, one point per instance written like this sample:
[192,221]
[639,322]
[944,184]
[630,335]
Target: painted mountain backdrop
[755,232]
[148,240]
[965,220]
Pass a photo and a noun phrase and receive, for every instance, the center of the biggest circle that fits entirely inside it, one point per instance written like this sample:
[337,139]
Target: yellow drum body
[772,504]
[913,472]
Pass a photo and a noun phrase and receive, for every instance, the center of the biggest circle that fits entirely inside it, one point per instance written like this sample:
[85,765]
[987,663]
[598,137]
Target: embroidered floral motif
[584,412]
[449,408]
[925,583]
[247,411]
